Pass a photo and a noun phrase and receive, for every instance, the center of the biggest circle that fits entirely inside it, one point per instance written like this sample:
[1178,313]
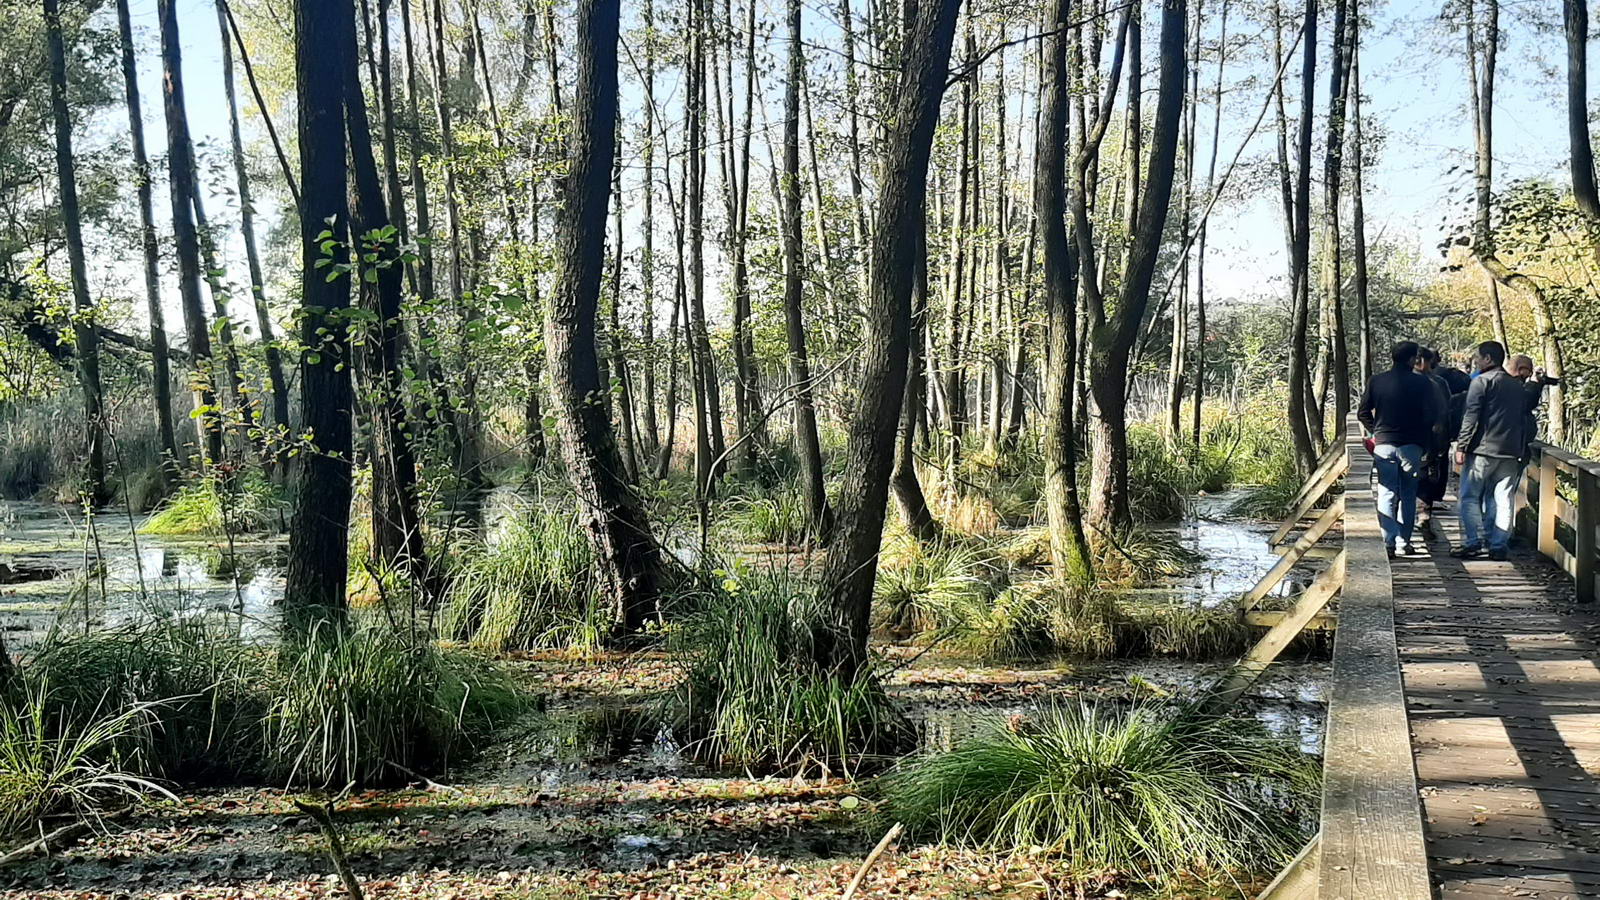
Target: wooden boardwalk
[1502,689]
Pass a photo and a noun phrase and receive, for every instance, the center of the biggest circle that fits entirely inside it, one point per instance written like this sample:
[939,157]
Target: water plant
[751,696]
[217,505]
[1154,791]
[532,585]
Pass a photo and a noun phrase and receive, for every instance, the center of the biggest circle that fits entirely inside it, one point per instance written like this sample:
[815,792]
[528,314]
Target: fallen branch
[866,864]
[46,843]
[341,863]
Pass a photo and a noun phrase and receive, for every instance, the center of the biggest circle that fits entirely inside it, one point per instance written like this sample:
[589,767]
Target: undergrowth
[1155,792]
[212,506]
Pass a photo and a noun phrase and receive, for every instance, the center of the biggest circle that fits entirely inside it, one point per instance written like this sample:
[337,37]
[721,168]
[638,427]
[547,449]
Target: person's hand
[1538,373]
[1461,458]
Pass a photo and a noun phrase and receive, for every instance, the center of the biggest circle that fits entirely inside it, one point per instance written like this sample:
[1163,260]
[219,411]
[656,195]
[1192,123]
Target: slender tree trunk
[396,525]
[1358,218]
[908,492]
[278,385]
[851,566]
[617,525]
[1576,21]
[708,407]
[1114,340]
[318,545]
[1069,547]
[806,443]
[1296,186]
[85,336]
[180,174]
[160,365]
[618,363]
[1333,235]
[1483,243]
[647,276]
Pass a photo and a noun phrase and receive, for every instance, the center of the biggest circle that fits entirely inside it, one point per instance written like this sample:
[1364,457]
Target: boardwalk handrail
[1372,839]
[1547,466]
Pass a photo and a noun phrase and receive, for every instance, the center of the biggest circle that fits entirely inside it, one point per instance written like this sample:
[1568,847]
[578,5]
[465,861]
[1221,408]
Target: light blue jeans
[1398,467]
[1488,500]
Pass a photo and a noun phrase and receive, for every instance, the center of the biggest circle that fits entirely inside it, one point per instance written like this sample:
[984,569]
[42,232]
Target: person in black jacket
[1397,408]
[1490,449]
[1435,479]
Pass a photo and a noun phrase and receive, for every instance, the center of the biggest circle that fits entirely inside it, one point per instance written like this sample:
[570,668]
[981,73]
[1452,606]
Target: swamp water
[45,583]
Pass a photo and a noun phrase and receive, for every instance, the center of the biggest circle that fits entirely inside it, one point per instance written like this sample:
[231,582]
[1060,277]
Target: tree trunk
[807,445]
[1114,340]
[396,525]
[1483,242]
[160,366]
[1200,250]
[704,380]
[1332,235]
[1358,217]
[617,525]
[647,275]
[618,363]
[851,566]
[180,174]
[318,535]
[908,492]
[1069,547]
[1296,186]
[86,340]
[247,222]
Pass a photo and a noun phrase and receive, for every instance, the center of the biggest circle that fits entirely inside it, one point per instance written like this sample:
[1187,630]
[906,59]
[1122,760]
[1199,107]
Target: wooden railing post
[1548,516]
[1583,545]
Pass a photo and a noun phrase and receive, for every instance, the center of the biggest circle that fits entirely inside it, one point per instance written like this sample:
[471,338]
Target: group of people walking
[1417,410]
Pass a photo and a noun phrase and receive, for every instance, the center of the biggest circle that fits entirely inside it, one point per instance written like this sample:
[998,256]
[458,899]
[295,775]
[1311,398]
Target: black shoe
[1468,551]
[1498,555]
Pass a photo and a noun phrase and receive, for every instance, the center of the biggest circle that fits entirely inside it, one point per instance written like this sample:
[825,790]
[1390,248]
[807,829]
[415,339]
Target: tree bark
[1069,547]
[1332,234]
[247,221]
[318,535]
[851,565]
[85,338]
[1114,339]
[1358,214]
[396,524]
[617,525]
[1295,183]
[808,447]
[160,365]
[180,175]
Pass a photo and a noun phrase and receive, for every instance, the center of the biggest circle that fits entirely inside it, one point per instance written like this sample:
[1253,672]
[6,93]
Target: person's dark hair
[1429,356]
[1494,350]
[1403,353]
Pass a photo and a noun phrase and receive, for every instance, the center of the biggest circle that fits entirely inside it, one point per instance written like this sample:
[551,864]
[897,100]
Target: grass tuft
[751,696]
[1156,792]
[210,507]
[534,585]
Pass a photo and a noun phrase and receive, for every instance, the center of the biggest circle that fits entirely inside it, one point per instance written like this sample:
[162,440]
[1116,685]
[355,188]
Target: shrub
[534,586]
[751,696]
[371,704]
[1184,631]
[55,762]
[211,507]
[1152,791]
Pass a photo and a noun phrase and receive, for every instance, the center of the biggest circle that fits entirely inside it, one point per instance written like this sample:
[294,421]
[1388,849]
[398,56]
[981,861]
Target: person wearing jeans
[1489,450]
[1398,408]
[1399,468]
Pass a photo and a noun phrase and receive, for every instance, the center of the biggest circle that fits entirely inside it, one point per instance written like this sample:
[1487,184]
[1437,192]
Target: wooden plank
[1331,515]
[1584,568]
[1312,553]
[1247,670]
[1298,880]
[1372,838]
[1316,487]
[1269,618]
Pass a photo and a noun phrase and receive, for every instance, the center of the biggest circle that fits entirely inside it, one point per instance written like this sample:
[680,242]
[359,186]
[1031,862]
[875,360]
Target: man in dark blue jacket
[1489,450]
[1397,408]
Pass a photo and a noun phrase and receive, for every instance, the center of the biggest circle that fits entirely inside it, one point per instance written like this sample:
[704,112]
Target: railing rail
[1553,475]
[1371,839]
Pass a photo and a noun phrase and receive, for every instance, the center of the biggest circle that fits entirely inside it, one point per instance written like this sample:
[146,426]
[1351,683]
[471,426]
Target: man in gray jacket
[1489,450]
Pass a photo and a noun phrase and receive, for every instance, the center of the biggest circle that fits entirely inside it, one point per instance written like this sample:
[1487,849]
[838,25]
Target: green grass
[372,705]
[534,586]
[922,585]
[751,698]
[211,507]
[1151,791]
[64,762]
[364,704]
[777,519]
